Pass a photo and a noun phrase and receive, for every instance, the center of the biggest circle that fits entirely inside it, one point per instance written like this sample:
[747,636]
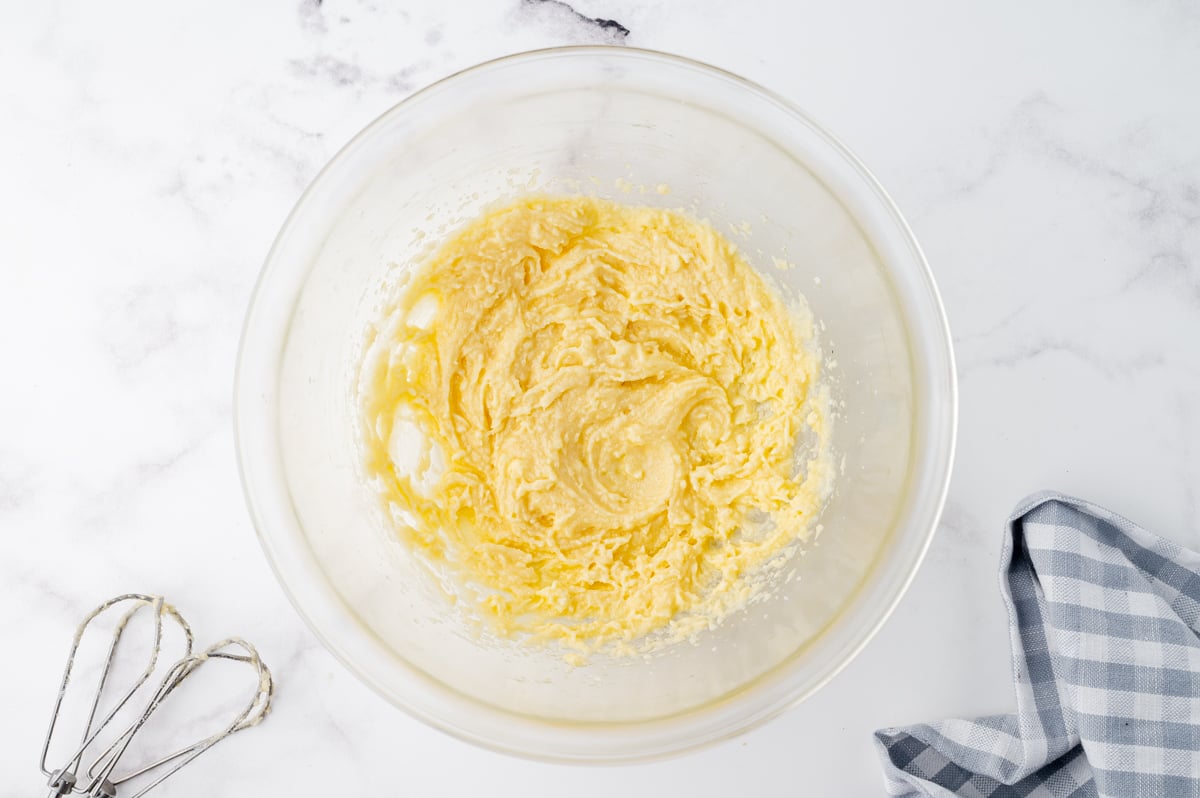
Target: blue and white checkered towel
[1105,625]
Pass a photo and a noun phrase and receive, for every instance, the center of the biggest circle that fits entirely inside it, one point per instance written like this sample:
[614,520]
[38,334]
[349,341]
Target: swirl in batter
[612,404]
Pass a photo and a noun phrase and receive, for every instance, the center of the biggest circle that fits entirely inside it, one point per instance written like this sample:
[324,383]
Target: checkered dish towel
[1105,619]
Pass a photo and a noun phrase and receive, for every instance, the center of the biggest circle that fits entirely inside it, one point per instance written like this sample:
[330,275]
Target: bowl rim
[248,454]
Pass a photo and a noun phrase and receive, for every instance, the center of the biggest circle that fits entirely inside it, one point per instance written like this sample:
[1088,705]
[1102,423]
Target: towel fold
[1104,621]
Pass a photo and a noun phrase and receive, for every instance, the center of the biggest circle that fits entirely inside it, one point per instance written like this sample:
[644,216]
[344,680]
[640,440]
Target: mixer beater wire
[86,772]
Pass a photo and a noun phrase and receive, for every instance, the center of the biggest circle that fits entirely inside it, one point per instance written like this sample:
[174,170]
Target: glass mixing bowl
[609,122]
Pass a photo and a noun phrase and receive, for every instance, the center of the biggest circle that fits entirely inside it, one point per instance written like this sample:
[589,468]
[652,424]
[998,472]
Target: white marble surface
[1048,156]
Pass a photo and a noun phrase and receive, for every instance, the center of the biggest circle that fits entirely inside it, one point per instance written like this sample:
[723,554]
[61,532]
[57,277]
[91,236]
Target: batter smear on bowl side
[598,418]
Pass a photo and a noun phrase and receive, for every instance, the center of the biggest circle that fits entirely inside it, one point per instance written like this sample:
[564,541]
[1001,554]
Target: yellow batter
[612,401]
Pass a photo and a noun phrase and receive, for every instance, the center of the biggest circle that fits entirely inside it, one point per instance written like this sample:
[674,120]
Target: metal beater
[91,768]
